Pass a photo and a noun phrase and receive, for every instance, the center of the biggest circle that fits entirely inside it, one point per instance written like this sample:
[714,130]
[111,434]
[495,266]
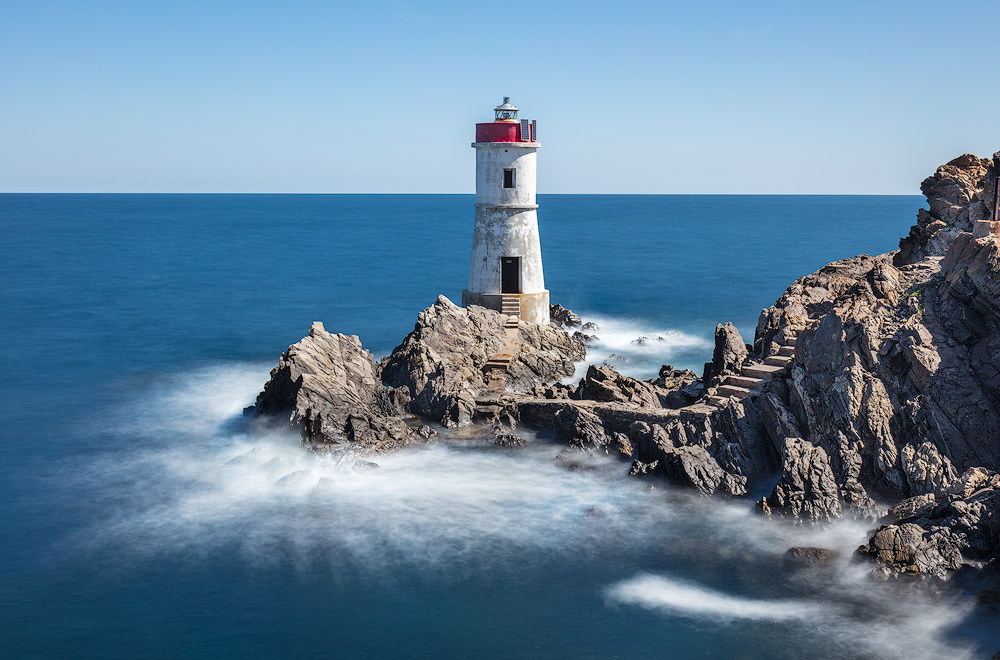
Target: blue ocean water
[141,520]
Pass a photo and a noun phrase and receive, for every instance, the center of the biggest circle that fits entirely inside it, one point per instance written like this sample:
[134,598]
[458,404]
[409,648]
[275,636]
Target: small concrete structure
[505,273]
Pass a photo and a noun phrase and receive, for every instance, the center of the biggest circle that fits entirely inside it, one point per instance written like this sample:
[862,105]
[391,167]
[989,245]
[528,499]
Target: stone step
[732,391]
[790,341]
[718,400]
[744,381]
[765,371]
[496,366]
[778,360]
[786,350]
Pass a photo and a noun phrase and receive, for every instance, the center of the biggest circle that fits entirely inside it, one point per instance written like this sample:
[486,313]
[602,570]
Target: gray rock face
[325,385]
[807,488]
[729,355]
[440,363]
[934,534]
[958,194]
[564,318]
[892,390]
[663,451]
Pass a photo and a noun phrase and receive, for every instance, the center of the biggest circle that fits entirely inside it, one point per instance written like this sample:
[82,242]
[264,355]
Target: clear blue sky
[373,96]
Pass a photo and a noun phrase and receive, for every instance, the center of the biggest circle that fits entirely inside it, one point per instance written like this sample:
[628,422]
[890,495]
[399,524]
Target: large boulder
[325,386]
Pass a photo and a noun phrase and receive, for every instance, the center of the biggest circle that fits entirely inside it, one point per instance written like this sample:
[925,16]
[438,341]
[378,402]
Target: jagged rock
[325,386]
[553,391]
[959,194]
[674,379]
[581,428]
[606,384]
[729,355]
[440,363]
[584,430]
[807,488]
[899,396]
[590,326]
[936,534]
[564,318]
[585,339]
[664,451]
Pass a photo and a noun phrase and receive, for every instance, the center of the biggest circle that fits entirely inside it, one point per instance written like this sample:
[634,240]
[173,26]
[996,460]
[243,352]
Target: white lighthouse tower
[506,269]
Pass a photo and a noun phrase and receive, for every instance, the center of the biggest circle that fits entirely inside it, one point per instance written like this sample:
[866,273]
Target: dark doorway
[510,274]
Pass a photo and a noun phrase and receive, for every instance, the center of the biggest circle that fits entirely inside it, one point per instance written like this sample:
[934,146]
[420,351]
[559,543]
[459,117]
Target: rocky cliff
[883,384]
[871,389]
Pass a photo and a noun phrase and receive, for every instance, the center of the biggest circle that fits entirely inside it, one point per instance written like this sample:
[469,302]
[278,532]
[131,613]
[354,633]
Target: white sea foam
[204,485]
[195,483]
[848,613]
[637,349]
[678,597]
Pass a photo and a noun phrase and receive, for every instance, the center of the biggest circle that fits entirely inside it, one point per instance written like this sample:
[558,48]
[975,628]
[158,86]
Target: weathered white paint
[506,226]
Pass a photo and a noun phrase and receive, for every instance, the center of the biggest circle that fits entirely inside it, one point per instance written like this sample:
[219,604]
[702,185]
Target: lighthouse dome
[505,111]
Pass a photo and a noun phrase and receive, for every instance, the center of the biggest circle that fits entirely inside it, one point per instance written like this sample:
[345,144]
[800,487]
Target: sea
[141,518]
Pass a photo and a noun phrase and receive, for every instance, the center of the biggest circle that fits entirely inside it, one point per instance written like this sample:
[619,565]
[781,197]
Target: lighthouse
[506,269]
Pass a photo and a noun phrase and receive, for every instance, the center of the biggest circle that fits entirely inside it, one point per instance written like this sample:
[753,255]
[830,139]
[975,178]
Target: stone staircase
[753,376]
[495,369]
[510,306]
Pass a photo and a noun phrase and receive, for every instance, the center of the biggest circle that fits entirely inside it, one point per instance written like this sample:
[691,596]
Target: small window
[508,178]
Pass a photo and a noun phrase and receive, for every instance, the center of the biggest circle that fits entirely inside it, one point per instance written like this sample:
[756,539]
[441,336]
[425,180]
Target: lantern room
[507,127]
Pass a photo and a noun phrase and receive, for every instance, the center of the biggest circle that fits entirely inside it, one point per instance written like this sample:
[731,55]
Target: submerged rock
[504,437]
[803,555]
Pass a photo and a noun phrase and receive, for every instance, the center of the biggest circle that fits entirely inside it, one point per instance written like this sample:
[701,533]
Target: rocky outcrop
[440,363]
[729,355]
[325,386]
[959,194]
[607,385]
[564,318]
[889,385]
[936,533]
[664,450]
[807,488]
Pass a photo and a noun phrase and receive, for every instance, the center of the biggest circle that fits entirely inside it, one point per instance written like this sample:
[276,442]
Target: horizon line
[588,194]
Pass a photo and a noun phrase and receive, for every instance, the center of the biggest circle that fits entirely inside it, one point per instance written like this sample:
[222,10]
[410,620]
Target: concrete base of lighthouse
[534,306]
